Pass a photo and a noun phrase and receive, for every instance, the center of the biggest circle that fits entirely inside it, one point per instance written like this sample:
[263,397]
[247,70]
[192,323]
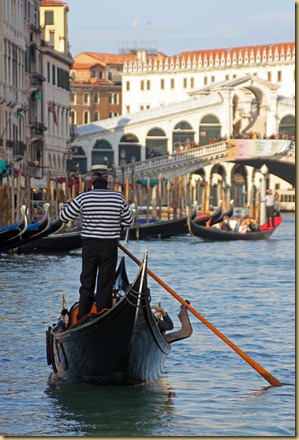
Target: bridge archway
[183,134]
[102,152]
[209,128]
[239,190]
[217,185]
[79,160]
[129,147]
[156,143]
[287,126]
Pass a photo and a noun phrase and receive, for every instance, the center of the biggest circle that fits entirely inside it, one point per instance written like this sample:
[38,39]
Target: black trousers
[99,259]
[270,215]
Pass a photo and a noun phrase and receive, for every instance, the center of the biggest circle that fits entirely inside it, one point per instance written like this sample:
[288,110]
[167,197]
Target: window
[86,117]
[205,80]
[192,82]
[48,72]
[212,78]
[53,74]
[127,85]
[100,73]
[141,107]
[226,77]
[96,116]
[269,76]
[110,115]
[172,83]
[86,98]
[73,98]
[162,84]
[148,84]
[279,76]
[51,38]
[128,109]
[96,97]
[141,85]
[49,18]
[93,74]
[185,83]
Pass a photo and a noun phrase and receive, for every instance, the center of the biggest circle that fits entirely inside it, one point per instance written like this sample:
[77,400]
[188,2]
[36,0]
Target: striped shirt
[103,212]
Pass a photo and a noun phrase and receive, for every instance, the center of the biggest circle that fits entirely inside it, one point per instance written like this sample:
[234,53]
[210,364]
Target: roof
[88,58]
[53,3]
[237,49]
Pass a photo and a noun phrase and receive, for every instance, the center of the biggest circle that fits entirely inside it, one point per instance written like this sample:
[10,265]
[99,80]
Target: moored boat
[12,231]
[55,241]
[159,229]
[32,231]
[122,345]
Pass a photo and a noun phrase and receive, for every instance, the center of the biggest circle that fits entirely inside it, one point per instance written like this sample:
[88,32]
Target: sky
[173,26]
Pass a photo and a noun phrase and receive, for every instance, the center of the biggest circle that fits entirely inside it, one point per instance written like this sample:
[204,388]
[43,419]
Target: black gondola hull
[111,349]
[123,345]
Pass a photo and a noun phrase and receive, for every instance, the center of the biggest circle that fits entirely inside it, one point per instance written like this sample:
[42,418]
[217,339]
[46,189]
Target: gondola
[212,218]
[122,345]
[216,234]
[55,242]
[160,229]
[33,231]
[12,231]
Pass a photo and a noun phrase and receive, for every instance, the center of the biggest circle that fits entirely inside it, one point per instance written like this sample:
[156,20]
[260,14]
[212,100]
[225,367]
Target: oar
[266,375]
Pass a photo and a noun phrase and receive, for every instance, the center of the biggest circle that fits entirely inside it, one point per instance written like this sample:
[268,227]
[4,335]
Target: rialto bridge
[183,138]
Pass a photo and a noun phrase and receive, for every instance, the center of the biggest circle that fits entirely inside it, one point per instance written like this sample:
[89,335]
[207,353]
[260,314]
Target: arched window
[287,125]
[156,143]
[128,147]
[79,160]
[209,129]
[86,117]
[182,135]
[102,153]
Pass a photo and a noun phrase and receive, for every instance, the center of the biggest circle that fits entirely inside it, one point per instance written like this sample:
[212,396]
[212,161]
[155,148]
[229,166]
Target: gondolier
[269,199]
[104,212]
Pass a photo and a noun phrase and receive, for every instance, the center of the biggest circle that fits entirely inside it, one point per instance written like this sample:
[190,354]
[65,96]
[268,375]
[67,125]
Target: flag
[16,115]
[53,111]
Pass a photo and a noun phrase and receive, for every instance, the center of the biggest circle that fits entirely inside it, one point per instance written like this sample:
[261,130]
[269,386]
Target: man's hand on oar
[266,375]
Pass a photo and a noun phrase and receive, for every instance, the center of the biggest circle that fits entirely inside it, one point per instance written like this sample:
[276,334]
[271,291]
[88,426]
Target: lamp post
[123,164]
[68,156]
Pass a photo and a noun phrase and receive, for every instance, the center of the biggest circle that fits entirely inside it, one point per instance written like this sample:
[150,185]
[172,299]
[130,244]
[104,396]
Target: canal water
[244,289]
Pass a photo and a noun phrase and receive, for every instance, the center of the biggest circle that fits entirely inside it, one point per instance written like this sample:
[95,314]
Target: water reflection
[114,411]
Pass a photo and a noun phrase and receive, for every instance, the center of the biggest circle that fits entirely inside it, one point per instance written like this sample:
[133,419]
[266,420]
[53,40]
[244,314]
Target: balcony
[37,79]
[37,128]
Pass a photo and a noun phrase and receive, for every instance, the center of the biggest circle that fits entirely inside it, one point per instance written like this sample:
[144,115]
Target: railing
[205,153]
[212,151]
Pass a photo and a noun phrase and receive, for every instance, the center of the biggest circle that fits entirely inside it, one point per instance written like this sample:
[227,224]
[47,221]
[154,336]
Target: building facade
[34,88]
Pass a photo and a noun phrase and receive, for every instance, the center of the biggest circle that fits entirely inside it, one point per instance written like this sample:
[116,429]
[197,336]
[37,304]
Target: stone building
[34,88]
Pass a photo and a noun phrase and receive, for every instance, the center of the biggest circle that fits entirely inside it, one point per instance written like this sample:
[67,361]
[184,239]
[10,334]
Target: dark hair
[100,183]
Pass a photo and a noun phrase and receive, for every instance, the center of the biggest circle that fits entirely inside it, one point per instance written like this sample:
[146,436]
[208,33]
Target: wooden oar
[266,375]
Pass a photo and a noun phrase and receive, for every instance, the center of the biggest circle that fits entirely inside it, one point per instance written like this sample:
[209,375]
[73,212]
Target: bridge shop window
[156,143]
[183,134]
[209,129]
[287,126]
[128,147]
[102,153]
[79,160]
